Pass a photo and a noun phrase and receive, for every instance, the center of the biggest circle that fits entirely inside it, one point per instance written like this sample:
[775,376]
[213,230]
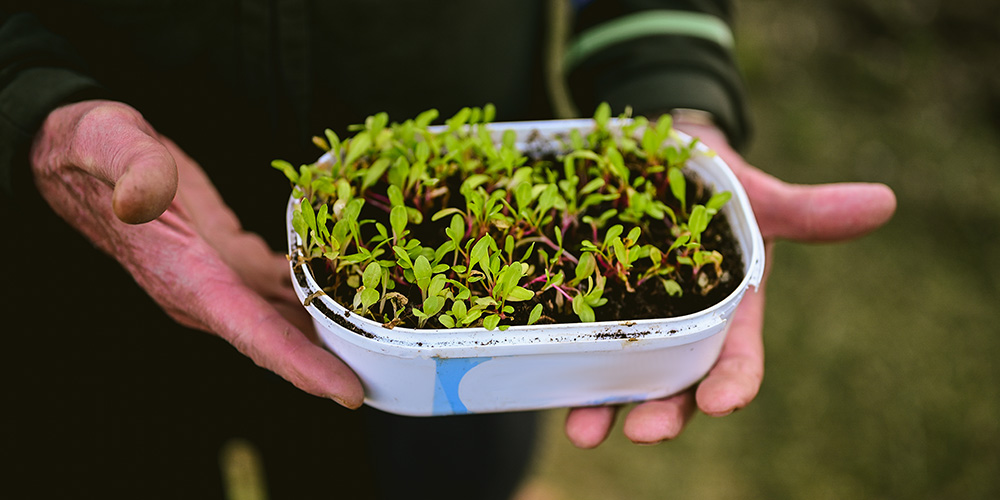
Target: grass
[882,374]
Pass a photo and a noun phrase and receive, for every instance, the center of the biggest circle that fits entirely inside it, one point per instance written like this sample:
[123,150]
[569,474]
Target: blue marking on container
[450,372]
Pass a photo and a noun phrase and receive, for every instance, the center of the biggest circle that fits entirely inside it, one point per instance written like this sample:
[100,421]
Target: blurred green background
[882,376]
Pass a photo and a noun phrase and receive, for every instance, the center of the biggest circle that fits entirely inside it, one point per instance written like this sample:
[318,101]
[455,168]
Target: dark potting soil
[649,300]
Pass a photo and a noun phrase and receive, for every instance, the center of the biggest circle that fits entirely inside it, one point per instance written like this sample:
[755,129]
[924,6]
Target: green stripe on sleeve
[648,23]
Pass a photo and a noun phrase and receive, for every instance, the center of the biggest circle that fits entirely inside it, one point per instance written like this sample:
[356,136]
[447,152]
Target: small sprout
[449,229]
[535,315]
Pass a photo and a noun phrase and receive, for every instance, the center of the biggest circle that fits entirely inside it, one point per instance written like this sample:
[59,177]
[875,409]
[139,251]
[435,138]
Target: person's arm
[38,72]
[138,197]
[657,56]
[666,56]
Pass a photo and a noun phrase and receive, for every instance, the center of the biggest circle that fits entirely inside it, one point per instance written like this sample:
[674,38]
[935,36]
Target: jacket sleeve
[656,56]
[38,73]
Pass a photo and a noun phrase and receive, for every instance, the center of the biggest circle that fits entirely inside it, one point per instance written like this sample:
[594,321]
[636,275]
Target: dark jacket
[105,395]
[285,69]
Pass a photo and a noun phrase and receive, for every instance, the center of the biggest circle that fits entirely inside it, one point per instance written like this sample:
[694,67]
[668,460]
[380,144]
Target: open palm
[821,213]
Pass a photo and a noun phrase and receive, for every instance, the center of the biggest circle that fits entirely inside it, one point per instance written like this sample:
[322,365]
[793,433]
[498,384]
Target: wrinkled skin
[141,199]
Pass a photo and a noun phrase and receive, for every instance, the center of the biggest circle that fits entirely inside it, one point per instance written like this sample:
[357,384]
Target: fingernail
[648,443]
[723,414]
[340,401]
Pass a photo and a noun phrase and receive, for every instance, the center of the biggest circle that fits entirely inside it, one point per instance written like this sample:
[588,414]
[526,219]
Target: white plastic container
[425,372]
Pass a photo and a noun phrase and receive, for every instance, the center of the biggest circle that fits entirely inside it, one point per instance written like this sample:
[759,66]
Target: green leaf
[491,321]
[536,313]
[415,216]
[321,219]
[633,235]
[655,255]
[437,284]
[459,309]
[480,250]
[677,186]
[673,289]
[519,293]
[402,258]
[375,172]
[358,146]
[508,278]
[548,198]
[679,242]
[444,212]
[398,172]
[433,304]
[287,169]
[372,275]
[456,231]
[698,221]
[585,267]
[663,124]
[593,185]
[459,119]
[300,226]
[398,219]
[473,181]
[474,314]
[613,232]
[509,139]
[332,140]
[369,296]
[602,114]
[718,200]
[352,210]
[424,119]
[446,321]
[395,194]
[582,309]
[650,141]
[309,217]
[619,248]
[422,271]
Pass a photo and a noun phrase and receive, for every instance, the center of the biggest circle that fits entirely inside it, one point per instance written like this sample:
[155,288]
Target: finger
[826,212]
[114,143]
[737,375]
[264,271]
[588,427]
[659,420]
[260,332]
[190,277]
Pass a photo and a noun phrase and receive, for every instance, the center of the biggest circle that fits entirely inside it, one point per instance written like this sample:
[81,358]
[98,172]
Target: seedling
[447,228]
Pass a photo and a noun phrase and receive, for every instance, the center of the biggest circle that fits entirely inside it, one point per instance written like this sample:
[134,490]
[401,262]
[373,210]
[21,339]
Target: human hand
[822,213]
[141,199]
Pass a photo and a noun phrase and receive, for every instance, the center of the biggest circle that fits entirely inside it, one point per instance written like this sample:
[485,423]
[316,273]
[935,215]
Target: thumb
[114,143]
[147,183]
[817,213]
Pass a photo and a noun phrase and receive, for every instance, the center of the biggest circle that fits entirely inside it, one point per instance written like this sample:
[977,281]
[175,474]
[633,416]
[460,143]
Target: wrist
[700,124]
[689,116]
